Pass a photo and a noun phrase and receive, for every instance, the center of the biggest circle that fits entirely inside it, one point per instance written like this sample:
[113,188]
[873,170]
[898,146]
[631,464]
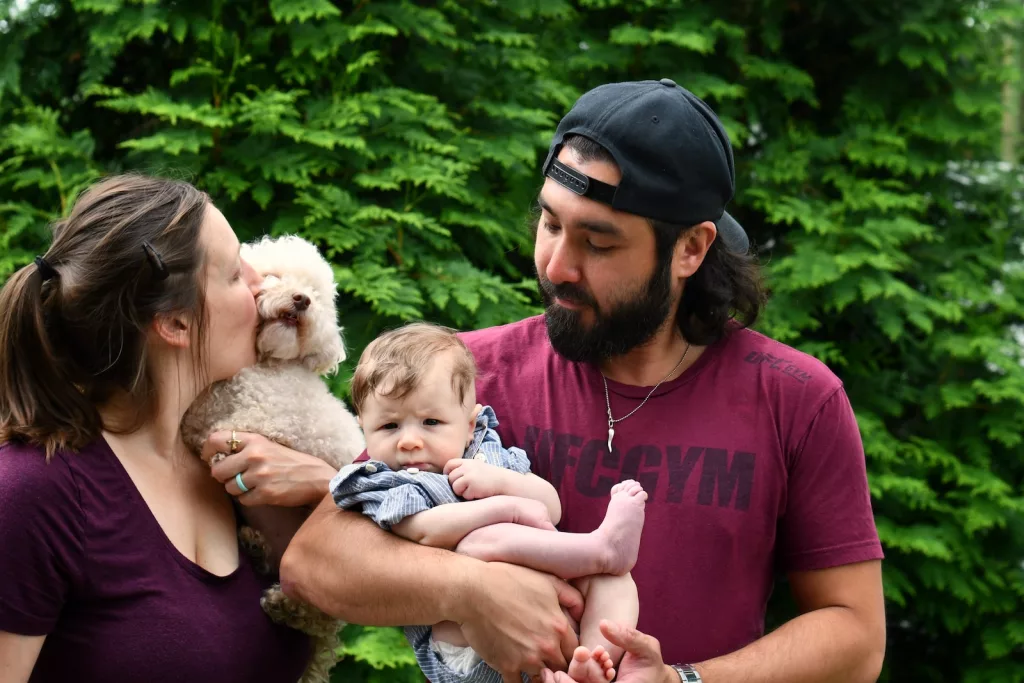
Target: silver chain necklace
[608,401]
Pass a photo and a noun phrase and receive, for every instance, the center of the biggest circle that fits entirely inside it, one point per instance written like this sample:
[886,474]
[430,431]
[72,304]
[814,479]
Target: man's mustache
[567,292]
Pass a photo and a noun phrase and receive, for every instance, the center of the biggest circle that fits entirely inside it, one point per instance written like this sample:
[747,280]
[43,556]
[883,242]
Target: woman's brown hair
[73,324]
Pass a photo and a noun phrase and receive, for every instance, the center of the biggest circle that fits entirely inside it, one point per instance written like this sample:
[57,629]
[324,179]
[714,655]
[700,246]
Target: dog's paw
[284,610]
[297,614]
[255,545]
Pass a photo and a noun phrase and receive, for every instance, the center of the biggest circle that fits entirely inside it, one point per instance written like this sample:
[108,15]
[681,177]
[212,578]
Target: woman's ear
[174,329]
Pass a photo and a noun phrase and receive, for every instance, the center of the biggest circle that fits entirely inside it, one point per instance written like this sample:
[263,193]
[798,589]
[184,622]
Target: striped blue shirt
[388,496]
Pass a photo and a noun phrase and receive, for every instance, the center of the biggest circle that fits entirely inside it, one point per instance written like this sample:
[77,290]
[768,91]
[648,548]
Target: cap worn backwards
[674,155]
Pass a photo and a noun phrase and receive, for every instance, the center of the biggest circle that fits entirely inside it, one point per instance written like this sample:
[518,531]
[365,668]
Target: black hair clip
[45,269]
[157,263]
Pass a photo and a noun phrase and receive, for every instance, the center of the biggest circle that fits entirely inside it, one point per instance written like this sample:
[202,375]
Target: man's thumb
[630,639]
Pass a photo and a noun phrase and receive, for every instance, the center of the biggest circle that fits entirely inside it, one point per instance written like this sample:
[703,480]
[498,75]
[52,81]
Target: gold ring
[234,443]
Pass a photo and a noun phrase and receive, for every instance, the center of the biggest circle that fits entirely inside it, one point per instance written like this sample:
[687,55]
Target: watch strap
[687,674]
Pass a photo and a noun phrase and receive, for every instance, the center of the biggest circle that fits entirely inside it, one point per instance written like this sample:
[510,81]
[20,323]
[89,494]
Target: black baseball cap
[673,152]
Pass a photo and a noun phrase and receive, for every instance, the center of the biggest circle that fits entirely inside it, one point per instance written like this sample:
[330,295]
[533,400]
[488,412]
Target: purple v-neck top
[84,562]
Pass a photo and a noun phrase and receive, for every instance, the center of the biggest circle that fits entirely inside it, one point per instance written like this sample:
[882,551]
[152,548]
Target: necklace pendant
[611,435]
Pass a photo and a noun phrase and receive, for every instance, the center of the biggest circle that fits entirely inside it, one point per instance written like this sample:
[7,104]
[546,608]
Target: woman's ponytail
[73,325]
[38,404]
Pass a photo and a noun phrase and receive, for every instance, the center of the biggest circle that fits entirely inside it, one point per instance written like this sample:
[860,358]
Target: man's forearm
[826,645]
[339,560]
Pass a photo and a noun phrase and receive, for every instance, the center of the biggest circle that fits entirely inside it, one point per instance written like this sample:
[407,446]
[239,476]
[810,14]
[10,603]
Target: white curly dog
[284,398]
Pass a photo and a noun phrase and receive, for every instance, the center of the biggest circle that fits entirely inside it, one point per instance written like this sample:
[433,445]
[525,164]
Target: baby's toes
[579,664]
[581,655]
[604,661]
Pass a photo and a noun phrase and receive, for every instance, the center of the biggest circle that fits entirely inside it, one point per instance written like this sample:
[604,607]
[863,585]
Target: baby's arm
[476,479]
[529,485]
[445,525]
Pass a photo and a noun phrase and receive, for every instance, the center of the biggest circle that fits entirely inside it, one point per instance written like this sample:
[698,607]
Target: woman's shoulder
[42,534]
[29,479]
[26,472]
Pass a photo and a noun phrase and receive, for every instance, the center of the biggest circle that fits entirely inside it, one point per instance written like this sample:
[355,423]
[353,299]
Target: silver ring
[241,486]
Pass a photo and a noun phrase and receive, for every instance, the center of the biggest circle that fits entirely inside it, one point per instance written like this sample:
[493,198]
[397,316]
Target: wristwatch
[687,674]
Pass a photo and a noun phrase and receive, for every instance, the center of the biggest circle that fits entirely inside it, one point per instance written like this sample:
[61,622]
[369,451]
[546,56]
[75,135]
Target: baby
[429,443]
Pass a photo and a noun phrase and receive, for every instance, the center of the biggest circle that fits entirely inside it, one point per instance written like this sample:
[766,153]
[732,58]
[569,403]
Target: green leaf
[287,11]
[380,647]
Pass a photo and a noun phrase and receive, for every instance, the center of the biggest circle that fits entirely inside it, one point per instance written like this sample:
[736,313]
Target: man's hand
[641,661]
[475,479]
[514,619]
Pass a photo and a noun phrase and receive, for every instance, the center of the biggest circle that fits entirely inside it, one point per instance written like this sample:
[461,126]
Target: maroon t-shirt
[752,461]
[85,562]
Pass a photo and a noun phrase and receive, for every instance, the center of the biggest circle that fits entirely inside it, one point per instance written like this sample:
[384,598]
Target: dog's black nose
[301,302]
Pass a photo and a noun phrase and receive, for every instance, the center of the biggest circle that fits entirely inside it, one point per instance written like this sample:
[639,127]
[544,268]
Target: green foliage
[376,655]
[405,139]
[302,118]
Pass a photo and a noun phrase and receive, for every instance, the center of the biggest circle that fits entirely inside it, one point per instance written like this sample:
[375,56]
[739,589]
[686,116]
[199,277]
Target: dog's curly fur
[284,398]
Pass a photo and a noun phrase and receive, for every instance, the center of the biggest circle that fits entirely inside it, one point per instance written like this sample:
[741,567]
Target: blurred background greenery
[877,149]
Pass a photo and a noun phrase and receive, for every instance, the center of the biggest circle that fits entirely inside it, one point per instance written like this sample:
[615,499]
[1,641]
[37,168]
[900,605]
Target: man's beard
[632,321]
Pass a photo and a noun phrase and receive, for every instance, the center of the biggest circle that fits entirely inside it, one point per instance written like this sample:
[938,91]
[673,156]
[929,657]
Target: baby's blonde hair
[392,365]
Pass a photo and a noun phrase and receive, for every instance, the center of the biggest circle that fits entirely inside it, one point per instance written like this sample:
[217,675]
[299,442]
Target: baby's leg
[611,549]
[449,632]
[606,597]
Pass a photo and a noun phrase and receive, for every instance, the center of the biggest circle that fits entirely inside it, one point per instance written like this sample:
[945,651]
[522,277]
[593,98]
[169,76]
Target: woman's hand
[271,474]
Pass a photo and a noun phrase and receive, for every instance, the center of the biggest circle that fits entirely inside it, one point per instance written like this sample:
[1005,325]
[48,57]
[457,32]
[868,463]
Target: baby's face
[424,429]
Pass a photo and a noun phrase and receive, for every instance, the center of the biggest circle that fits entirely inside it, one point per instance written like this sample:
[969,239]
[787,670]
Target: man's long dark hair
[727,291]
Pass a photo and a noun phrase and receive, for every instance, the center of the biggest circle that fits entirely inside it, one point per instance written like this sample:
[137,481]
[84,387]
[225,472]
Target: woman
[120,557]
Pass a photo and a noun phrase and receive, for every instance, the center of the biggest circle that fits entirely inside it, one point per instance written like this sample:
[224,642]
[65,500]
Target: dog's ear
[331,355]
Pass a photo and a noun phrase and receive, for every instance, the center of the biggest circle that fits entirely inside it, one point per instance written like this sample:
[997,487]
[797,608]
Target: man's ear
[174,329]
[691,248]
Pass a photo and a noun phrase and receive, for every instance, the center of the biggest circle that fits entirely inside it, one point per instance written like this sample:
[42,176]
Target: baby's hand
[474,479]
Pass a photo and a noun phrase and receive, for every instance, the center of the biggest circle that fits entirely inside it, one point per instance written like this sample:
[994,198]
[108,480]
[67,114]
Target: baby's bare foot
[591,667]
[620,530]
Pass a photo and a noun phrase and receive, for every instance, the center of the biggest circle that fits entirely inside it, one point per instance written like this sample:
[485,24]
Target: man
[642,367]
